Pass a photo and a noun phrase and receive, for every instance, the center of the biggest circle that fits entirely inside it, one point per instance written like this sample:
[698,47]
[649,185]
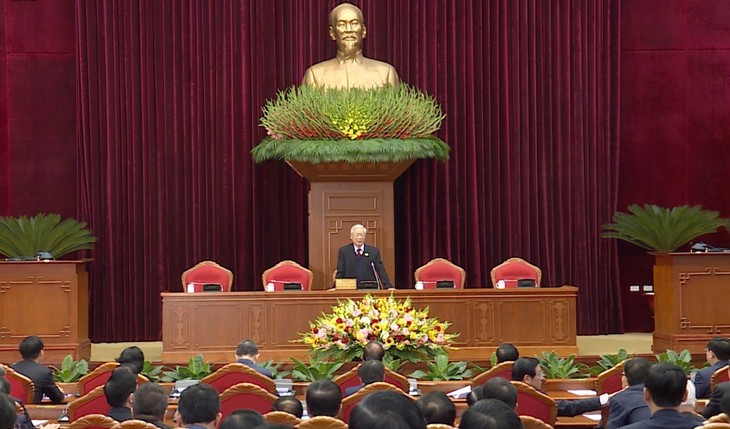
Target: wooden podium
[48,299]
[342,194]
[690,302]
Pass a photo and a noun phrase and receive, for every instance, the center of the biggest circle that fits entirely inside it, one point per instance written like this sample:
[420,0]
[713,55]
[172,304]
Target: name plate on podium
[345,284]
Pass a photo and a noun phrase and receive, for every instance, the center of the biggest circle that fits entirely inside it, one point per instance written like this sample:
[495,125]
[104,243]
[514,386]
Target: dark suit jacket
[347,268]
[258,368]
[627,407]
[120,414]
[352,389]
[713,407]
[702,379]
[42,379]
[665,419]
[574,407]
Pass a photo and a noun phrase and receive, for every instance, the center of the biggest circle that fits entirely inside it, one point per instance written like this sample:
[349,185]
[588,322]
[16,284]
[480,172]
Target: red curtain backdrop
[169,99]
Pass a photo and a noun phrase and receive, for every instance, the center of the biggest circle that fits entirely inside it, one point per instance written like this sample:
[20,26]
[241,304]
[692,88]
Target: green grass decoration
[383,124]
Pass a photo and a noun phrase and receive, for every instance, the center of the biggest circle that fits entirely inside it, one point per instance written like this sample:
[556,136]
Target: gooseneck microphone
[377,277]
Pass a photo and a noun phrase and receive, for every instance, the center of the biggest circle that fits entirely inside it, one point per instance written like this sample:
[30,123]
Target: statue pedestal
[343,194]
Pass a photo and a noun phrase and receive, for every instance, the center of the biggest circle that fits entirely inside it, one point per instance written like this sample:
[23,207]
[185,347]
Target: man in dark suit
[247,353]
[529,371]
[150,405]
[118,390]
[31,349]
[664,390]
[628,406]
[718,354]
[370,371]
[721,391]
[356,260]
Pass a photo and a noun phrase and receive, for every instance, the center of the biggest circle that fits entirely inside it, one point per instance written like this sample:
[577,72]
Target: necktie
[359,252]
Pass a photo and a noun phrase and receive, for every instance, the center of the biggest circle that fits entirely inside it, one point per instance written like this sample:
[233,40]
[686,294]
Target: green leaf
[25,237]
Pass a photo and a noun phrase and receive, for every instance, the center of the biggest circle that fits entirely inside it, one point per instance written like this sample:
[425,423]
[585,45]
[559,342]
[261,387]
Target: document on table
[582,392]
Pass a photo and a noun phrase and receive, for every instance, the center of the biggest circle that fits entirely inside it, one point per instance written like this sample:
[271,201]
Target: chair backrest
[714,426]
[439,426]
[207,272]
[93,402]
[719,376]
[514,269]
[350,378]
[322,422]
[235,373]
[93,421]
[287,272]
[440,269]
[135,424]
[609,381]
[349,403]
[502,370]
[529,422]
[96,378]
[532,403]
[719,418]
[21,387]
[246,395]
[282,417]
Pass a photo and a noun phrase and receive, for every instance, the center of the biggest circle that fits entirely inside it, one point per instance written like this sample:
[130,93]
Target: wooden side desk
[212,324]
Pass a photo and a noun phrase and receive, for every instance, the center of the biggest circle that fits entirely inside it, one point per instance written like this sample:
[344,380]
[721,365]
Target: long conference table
[212,324]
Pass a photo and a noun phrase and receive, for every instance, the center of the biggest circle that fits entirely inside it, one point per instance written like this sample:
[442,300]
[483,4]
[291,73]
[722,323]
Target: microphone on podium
[377,277]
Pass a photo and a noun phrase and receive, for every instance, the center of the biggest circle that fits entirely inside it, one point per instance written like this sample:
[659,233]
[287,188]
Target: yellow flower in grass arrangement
[405,332]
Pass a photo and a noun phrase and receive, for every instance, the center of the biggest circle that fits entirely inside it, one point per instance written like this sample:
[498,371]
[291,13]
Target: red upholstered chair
[282,417]
[440,269]
[609,381]
[529,422]
[96,378]
[350,378]
[134,424]
[503,370]
[21,387]
[349,403]
[719,376]
[532,403]
[246,395]
[322,422]
[235,373]
[207,272]
[514,269]
[93,421]
[287,272]
[93,402]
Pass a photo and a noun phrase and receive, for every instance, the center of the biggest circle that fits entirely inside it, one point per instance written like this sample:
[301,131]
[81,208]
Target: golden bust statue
[350,68]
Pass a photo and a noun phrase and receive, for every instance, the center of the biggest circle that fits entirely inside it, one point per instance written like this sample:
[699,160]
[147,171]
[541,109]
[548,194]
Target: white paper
[460,393]
[37,423]
[582,392]
[594,417]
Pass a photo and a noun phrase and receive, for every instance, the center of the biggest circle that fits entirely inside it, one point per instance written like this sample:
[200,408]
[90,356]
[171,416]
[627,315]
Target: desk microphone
[377,277]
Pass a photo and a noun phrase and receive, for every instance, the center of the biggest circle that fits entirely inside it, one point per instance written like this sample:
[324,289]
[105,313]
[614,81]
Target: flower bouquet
[385,124]
[407,333]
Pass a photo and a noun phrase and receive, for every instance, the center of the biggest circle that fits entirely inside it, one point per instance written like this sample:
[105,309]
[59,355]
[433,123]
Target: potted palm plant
[42,237]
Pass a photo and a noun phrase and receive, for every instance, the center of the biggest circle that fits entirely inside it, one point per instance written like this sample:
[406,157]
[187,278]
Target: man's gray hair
[358,226]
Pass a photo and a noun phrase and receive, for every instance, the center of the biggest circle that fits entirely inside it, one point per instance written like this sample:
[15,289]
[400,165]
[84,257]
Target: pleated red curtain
[170,93]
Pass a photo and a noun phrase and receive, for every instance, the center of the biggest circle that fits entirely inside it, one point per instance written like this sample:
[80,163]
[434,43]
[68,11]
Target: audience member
[386,410]
[243,419]
[436,407]
[664,390]
[324,398]
[118,391]
[373,351]
[7,412]
[529,371]
[500,389]
[200,406]
[507,352]
[132,358]
[687,407]
[721,391]
[289,404]
[475,395]
[150,404]
[31,349]
[22,420]
[717,353]
[371,371]
[490,414]
[247,353]
[628,406]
